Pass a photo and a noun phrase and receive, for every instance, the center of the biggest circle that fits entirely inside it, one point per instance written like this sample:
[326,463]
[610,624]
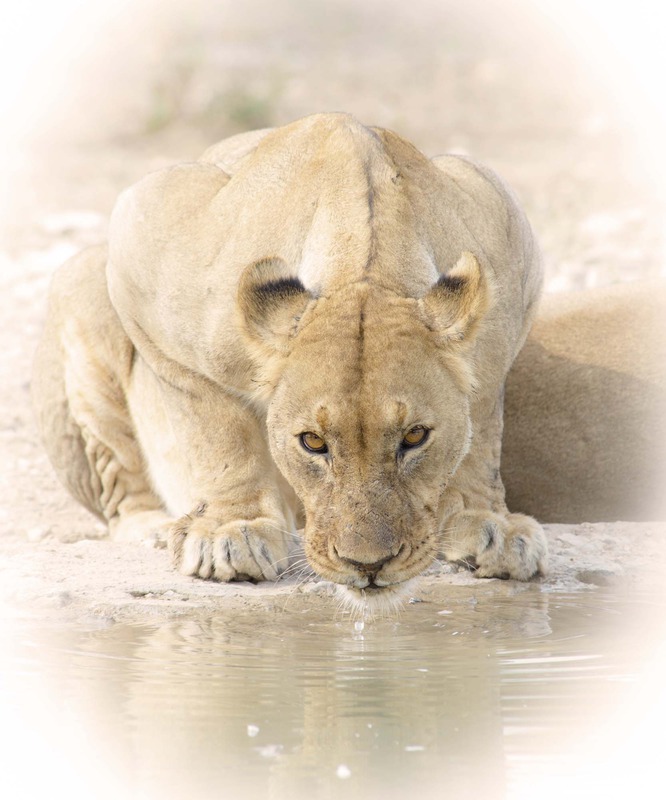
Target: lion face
[368,419]
[367,427]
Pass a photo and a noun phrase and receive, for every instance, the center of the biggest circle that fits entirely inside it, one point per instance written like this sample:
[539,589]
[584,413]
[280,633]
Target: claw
[244,550]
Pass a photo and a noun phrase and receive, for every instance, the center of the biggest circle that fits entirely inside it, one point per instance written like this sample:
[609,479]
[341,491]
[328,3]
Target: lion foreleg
[240,525]
[476,527]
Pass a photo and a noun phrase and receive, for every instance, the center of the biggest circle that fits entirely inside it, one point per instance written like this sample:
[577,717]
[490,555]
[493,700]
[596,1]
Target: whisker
[301,570]
[459,542]
[287,532]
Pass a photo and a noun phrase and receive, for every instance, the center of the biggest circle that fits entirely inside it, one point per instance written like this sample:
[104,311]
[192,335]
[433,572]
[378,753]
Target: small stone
[270,750]
[38,533]
[252,730]
[343,771]
[60,599]
[598,577]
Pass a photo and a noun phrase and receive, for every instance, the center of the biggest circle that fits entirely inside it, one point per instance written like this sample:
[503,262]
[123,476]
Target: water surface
[482,696]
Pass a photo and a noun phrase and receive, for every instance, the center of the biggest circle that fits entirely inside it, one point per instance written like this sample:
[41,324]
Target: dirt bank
[77,578]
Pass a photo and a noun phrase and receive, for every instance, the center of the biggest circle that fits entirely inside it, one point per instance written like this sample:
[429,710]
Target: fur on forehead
[274,306]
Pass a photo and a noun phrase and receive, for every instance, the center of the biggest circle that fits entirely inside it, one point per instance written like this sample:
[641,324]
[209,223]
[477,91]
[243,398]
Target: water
[538,695]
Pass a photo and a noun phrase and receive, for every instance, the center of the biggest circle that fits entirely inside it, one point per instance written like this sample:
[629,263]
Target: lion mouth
[371,585]
[369,589]
[377,601]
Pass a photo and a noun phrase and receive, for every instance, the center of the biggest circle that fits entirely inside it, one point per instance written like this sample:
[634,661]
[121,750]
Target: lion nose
[371,569]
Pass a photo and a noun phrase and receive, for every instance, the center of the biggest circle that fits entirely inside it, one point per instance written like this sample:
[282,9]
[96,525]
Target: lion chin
[367,604]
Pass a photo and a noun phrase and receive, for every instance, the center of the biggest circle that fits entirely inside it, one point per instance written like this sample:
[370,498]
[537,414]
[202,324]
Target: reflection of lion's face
[387,424]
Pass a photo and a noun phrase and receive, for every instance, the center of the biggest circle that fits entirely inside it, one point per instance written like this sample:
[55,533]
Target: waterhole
[538,695]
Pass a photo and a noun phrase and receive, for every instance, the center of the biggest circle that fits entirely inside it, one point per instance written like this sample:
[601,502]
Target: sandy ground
[88,579]
[512,94]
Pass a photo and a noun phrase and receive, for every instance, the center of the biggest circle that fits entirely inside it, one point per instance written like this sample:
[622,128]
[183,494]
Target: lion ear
[271,303]
[460,299]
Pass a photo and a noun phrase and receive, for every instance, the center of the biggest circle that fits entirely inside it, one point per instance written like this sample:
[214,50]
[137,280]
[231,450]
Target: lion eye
[313,443]
[415,436]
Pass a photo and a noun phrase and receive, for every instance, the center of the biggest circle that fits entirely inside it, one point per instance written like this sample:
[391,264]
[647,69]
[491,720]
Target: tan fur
[288,283]
[585,411]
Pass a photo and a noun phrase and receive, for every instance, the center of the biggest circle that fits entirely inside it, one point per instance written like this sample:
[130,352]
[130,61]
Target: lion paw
[240,550]
[497,545]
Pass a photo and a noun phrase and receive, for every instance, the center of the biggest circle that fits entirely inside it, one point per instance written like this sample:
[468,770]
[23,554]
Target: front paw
[497,545]
[207,547]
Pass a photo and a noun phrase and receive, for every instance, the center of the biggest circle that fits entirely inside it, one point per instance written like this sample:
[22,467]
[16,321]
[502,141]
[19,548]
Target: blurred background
[561,97]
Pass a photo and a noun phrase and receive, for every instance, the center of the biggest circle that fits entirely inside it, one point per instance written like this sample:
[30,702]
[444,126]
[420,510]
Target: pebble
[252,730]
[38,533]
[270,750]
[59,599]
[598,577]
[343,771]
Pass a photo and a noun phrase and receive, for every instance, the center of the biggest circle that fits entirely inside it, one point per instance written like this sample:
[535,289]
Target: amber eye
[415,436]
[313,443]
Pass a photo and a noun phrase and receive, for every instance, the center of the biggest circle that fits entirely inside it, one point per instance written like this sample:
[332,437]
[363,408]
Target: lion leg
[81,370]
[242,520]
[477,529]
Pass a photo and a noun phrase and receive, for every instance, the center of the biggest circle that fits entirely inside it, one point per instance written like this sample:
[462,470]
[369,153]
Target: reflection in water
[479,698]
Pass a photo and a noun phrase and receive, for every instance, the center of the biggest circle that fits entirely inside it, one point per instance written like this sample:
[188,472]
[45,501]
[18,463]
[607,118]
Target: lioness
[311,325]
[585,408]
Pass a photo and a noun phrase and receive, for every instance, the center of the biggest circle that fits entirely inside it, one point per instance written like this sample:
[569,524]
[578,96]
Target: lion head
[368,412]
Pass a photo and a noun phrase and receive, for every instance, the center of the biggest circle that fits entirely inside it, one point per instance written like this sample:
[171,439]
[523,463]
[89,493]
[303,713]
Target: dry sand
[85,578]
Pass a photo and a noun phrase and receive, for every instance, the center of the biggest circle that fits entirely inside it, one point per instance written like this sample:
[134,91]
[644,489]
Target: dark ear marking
[460,299]
[280,289]
[451,283]
[271,301]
